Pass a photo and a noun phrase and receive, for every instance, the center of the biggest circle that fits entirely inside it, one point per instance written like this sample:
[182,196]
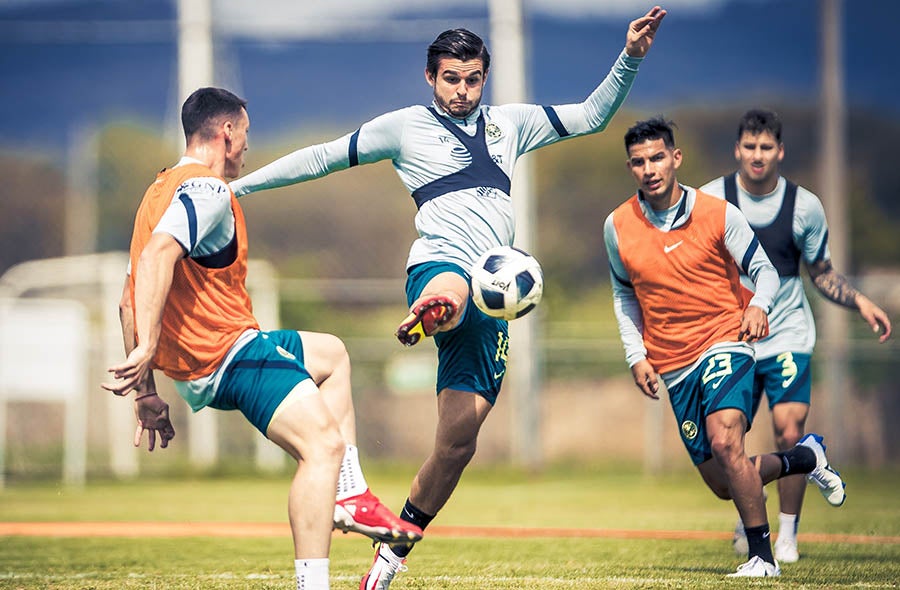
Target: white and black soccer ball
[507,282]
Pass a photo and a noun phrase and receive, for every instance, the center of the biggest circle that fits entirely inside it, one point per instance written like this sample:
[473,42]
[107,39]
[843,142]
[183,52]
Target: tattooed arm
[835,287]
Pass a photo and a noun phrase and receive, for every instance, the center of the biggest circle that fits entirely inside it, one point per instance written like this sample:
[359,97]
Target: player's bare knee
[458,454]
[325,355]
[715,478]
[788,440]
[330,447]
[726,449]
[721,491]
[334,349]
[723,445]
[788,436]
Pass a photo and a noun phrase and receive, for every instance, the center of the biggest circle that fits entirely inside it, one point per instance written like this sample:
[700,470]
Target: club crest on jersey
[689,430]
[492,130]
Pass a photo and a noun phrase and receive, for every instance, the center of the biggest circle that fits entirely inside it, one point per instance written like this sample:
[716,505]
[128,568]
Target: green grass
[600,498]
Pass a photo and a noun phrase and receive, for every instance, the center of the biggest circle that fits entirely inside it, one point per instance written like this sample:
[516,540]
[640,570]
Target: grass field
[492,535]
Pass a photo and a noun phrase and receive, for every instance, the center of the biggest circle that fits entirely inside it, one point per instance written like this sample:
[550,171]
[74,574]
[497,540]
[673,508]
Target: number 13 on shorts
[718,367]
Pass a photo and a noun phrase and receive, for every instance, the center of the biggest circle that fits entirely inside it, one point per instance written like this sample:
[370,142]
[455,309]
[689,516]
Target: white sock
[787,525]
[387,553]
[350,480]
[312,574]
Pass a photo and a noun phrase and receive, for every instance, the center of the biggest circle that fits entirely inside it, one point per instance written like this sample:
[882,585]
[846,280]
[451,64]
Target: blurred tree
[32,222]
[130,156]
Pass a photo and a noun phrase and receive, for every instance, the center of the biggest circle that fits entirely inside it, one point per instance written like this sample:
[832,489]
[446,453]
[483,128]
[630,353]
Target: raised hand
[641,32]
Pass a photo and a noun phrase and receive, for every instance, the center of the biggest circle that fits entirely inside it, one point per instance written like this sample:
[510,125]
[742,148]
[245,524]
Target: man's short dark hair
[205,108]
[655,128]
[460,44]
[756,121]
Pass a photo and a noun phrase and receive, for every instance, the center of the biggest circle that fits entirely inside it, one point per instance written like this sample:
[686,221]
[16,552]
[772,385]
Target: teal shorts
[783,378]
[722,380]
[261,375]
[472,356]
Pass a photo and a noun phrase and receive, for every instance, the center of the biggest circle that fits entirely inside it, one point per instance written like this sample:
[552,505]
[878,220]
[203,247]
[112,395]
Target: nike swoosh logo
[500,374]
[719,382]
[668,249]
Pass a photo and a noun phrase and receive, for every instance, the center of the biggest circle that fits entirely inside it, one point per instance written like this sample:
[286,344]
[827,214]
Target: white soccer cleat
[827,479]
[739,541]
[383,570]
[756,568]
[786,550]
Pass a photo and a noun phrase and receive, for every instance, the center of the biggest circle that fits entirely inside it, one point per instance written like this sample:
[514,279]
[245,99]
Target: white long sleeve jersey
[791,324]
[458,171]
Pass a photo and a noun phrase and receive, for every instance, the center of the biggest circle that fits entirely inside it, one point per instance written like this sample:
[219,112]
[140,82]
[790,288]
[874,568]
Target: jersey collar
[681,209]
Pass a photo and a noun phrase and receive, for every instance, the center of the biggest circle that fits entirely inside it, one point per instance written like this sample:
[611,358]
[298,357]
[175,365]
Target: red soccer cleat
[365,514]
[425,319]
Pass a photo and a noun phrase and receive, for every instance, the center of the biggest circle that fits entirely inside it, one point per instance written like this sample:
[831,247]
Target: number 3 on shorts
[788,368]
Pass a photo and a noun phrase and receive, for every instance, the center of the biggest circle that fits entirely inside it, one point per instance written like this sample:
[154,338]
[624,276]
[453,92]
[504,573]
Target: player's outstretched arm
[835,287]
[376,140]
[641,32]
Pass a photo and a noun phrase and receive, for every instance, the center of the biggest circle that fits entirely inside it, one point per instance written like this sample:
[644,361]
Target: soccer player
[674,255]
[790,224]
[185,310]
[457,157]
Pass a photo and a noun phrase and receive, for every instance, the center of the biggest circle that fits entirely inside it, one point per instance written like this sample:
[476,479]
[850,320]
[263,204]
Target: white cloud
[617,8]
[394,20]
[290,19]
[322,18]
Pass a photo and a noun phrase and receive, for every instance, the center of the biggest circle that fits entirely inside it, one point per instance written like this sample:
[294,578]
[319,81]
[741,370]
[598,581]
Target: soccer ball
[507,282]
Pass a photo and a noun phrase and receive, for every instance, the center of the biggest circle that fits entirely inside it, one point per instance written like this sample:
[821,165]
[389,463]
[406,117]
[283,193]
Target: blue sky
[72,63]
